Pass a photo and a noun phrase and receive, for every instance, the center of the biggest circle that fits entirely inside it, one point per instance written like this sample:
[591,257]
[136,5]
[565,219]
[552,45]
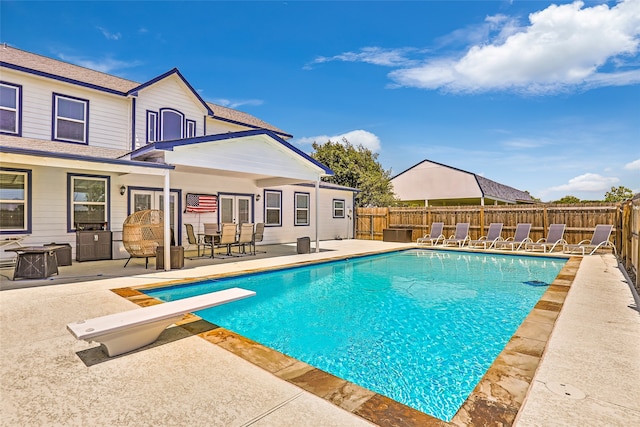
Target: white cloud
[635,165]
[109,35]
[372,55]
[562,47]
[106,65]
[355,137]
[589,182]
[237,103]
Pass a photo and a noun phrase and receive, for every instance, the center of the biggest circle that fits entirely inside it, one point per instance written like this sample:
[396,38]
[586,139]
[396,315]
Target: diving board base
[129,330]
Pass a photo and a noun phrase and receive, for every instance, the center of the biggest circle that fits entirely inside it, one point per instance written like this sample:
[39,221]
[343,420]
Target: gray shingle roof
[495,189]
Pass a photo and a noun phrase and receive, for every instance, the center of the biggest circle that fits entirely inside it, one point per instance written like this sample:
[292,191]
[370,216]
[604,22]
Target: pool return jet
[129,330]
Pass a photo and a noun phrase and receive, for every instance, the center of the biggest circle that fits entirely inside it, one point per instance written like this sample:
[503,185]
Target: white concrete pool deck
[594,348]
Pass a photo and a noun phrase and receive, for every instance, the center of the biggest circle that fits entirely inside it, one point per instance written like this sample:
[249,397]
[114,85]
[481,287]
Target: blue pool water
[420,327]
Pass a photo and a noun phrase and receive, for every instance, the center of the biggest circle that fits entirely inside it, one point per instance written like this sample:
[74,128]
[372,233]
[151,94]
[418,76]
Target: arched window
[171,124]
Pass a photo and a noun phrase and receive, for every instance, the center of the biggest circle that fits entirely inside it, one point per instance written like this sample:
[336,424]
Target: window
[70,119]
[191,128]
[89,200]
[302,208]
[338,208]
[171,124]
[152,126]
[273,208]
[15,201]
[10,108]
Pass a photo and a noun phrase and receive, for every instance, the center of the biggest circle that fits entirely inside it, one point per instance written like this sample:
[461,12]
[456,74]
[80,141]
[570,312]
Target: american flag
[201,203]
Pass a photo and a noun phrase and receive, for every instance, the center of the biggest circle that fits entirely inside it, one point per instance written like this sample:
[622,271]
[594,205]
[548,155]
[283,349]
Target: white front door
[152,199]
[235,208]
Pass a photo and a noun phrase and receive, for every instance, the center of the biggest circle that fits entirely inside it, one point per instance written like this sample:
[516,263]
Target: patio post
[167,222]
[317,213]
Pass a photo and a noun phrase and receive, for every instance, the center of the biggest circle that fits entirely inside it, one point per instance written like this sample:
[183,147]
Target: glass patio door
[236,209]
[152,199]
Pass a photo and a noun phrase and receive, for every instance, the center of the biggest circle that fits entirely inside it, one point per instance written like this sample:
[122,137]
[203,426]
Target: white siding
[258,155]
[108,114]
[172,93]
[431,181]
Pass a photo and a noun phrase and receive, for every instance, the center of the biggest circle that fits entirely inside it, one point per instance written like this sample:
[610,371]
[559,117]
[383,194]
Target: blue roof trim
[236,122]
[168,145]
[67,156]
[164,76]
[62,79]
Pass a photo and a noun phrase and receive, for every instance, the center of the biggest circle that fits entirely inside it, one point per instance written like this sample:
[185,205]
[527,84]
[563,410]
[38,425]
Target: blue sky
[541,96]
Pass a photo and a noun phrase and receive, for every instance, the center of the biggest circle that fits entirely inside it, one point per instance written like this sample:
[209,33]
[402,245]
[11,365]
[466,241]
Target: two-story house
[82,147]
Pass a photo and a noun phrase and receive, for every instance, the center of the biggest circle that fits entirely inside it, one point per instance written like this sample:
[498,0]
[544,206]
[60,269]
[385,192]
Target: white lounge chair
[126,331]
[514,243]
[493,235]
[555,238]
[600,239]
[434,236]
[460,237]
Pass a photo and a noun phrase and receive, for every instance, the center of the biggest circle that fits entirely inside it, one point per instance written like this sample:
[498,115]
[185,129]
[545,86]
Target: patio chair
[555,237]
[493,235]
[600,239]
[245,238]
[434,237]
[192,239]
[228,237]
[142,233]
[258,235]
[460,237]
[520,237]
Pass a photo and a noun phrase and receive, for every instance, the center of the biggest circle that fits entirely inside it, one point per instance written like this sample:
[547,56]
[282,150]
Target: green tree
[356,167]
[619,194]
[568,200]
[535,199]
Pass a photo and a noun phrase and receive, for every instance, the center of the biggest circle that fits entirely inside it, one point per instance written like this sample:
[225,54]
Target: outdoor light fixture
[257,197]
[123,189]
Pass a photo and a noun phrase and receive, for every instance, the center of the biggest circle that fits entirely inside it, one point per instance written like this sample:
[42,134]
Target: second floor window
[152,126]
[171,124]
[191,128]
[10,108]
[70,119]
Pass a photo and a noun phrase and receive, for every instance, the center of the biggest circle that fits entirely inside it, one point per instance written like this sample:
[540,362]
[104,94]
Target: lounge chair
[434,237]
[460,237]
[516,242]
[555,237]
[488,241]
[600,239]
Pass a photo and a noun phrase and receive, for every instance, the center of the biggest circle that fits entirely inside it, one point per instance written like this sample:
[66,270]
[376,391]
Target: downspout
[317,214]
[167,223]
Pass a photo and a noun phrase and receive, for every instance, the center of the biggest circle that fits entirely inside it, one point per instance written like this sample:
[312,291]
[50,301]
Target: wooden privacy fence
[580,220]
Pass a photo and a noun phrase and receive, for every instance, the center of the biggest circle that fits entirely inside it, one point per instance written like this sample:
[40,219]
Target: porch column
[167,222]
[317,214]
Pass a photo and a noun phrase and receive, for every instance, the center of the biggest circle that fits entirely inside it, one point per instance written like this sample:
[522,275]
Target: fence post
[371,225]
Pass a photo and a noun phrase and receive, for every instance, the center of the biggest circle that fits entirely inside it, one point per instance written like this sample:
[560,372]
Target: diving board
[126,331]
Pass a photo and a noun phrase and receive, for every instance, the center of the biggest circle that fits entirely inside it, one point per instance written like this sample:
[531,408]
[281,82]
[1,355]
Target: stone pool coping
[495,400]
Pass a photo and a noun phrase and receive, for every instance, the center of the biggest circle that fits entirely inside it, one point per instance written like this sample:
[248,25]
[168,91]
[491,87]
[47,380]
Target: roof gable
[168,74]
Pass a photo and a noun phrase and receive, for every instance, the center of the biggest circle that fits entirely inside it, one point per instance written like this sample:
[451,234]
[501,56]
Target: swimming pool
[420,327]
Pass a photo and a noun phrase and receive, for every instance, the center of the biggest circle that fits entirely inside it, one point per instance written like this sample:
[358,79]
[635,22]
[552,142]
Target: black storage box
[400,235]
[63,254]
